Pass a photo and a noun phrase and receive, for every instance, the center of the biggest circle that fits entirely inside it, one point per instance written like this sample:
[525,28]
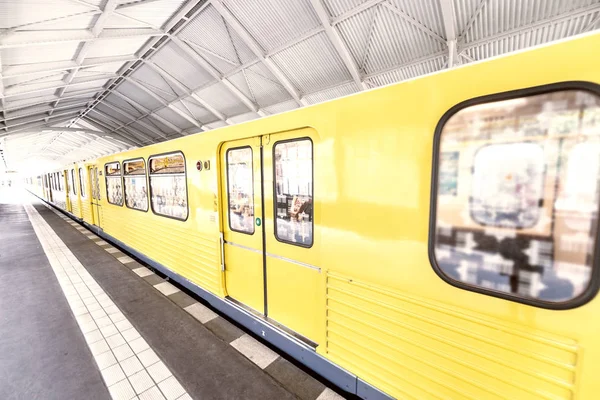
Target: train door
[94,180]
[270,255]
[49,180]
[68,196]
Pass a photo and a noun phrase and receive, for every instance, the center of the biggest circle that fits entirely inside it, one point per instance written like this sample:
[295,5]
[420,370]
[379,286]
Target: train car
[435,238]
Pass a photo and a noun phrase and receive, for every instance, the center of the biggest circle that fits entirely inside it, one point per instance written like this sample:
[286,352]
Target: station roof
[82,78]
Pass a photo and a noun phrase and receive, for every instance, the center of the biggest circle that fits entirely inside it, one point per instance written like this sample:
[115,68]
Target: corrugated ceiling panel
[86,86]
[249,116]
[11,11]
[14,100]
[155,13]
[190,106]
[272,23]
[116,21]
[18,101]
[174,118]
[124,105]
[116,115]
[155,123]
[156,83]
[409,72]
[28,111]
[116,47]
[33,78]
[530,38]
[339,7]
[380,39]
[79,22]
[259,84]
[501,16]
[312,64]
[332,93]
[282,107]
[137,95]
[216,124]
[38,54]
[111,68]
[426,12]
[219,48]
[219,97]
[172,59]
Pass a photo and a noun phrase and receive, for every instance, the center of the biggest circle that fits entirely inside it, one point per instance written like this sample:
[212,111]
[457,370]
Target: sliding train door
[94,180]
[270,248]
[242,222]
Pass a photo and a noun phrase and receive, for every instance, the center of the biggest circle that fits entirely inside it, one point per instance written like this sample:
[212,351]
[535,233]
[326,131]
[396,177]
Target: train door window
[240,189]
[61,182]
[114,185]
[73,187]
[82,183]
[136,193]
[293,170]
[168,187]
[522,220]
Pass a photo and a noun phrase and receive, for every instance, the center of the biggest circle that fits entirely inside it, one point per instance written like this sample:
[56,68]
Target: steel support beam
[37,68]
[97,29]
[54,87]
[257,50]
[42,38]
[148,113]
[133,119]
[338,43]
[200,61]
[61,18]
[449,17]
[39,123]
[356,10]
[48,99]
[2,104]
[8,117]
[187,92]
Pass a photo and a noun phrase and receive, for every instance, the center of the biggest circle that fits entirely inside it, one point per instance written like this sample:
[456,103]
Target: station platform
[79,319]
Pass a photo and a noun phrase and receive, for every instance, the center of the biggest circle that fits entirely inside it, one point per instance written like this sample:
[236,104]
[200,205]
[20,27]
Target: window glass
[168,189]
[61,182]
[114,187]
[508,183]
[294,192]
[73,186]
[240,190]
[518,195]
[136,193]
[82,182]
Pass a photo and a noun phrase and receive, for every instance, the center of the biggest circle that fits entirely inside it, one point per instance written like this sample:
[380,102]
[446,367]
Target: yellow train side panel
[390,319]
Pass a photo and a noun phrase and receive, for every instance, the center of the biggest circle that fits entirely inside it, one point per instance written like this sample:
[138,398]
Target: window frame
[594,283]
[146,175]
[82,191]
[229,197]
[187,199]
[74,187]
[114,176]
[312,159]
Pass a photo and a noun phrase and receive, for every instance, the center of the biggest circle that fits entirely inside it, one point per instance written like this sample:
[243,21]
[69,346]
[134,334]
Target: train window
[114,185]
[82,183]
[294,192]
[73,186]
[61,182]
[517,197]
[240,190]
[168,190]
[136,193]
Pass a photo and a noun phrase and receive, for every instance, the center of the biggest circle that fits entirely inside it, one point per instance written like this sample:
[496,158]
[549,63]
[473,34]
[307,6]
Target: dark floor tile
[153,279]
[294,379]
[182,299]
[224,329]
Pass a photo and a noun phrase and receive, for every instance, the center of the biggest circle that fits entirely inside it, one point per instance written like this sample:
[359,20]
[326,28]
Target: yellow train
[435,238]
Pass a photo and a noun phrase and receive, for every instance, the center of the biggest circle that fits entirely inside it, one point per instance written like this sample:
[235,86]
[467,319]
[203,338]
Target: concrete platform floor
[81,320]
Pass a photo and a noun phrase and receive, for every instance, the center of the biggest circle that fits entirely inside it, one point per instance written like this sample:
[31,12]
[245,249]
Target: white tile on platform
[111,249]
[166,288]
[171,388]
[201,312]
[141,381]
[152,394]
[131,365]
[142,271]
[329,394]
[122,390]
[257,352]
[125,259]
[123,352]
[148,357]
[112,374]
[159,371]
[105,360]
[138,345]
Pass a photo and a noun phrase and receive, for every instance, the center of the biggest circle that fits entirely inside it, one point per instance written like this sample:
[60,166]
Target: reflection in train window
[114,185]
[136,193]
[168,190]
[294,192]
[524,178]
[507,186]
[73,187]
[240,190]
[82,183]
